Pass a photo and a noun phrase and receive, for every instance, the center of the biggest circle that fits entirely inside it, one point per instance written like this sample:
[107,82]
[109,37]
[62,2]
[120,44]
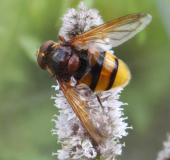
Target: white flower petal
[165,153]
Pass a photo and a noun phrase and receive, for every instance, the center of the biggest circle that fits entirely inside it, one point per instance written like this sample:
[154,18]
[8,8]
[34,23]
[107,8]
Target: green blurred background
[26,109]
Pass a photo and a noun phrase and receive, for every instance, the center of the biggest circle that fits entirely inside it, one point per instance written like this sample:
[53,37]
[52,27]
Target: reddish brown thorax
[61,60]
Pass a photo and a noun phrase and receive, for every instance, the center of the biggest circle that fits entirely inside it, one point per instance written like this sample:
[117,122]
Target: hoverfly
[80,59]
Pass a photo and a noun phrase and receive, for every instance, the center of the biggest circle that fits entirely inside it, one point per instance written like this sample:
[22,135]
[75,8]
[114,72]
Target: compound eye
[46,47]
[41,60]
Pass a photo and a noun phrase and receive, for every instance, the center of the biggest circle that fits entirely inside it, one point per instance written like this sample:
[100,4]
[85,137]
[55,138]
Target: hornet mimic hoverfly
[78,58]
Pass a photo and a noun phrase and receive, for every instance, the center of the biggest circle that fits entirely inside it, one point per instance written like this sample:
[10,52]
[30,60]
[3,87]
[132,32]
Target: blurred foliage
[25,90]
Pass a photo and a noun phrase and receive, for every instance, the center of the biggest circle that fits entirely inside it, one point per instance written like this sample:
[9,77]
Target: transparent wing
[114,32]
[79,106]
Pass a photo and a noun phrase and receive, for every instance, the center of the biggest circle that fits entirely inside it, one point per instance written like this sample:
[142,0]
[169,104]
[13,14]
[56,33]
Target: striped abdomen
[107,72]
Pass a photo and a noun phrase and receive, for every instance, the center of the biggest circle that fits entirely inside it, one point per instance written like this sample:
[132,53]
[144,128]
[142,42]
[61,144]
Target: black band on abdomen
[96,70]
[113,74]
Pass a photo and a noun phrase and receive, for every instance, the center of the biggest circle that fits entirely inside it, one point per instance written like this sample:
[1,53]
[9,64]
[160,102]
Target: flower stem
[98,158]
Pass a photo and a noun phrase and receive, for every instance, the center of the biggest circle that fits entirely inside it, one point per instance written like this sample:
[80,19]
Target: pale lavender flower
[78,21]
[164,154]
[107,117]
[110,120]
[81,20]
